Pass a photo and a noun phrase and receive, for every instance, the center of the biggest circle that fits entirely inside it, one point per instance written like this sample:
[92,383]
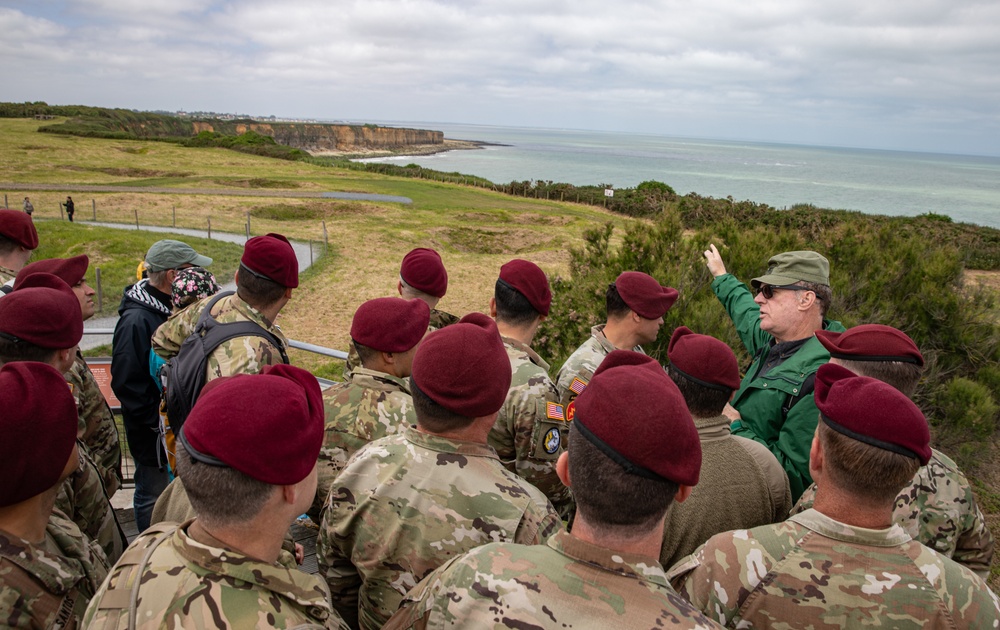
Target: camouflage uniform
[97,427]
[439,319]
[6,275]
[405,505]
[83,498]
[812,571]
[370,406]
[49,584]
[939,510]
[579,368]
[241,355]
[187,584]
[567,583]
[531,428]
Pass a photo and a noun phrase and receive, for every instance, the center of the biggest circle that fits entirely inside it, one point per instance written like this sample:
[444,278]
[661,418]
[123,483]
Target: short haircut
[902,375]
[7,246]
[512,307]
[702,402]
[11,351]
[869,473]
[824,295]
[411,293]
[610,499]
[365,353]
[616,306]
[219,494]
[257,290]
[158,278]
[432,416]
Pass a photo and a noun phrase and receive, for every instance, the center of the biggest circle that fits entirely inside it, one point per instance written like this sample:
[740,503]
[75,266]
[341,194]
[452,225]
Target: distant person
[842,564]
[774,404]
[531,427]
[49,569]
[422,276]
[937,507]
[70,208]
[636,304]
[97,429]
[29,209]
[633,453]
[741,485]
[408,503]
[18,239]
[375,401]
[248,452]
[144,306]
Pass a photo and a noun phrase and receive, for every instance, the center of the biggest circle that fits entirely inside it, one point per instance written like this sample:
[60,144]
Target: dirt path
[243,192]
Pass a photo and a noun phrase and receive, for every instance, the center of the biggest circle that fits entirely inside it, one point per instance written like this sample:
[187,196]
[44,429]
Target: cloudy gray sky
[920,75]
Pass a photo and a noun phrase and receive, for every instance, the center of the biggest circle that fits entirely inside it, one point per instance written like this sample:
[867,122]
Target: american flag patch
[554,411]
[577,386]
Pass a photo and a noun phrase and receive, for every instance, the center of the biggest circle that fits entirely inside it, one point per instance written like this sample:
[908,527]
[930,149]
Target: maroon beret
[268,426]
[272,257]
[390,324]
[872,412]
[644,295]
[38,423]
[69,270]
[18,227]
[704,360]
[423,270]
[43,311]
[635,415]
[464,367]
[871,342]
[529,280]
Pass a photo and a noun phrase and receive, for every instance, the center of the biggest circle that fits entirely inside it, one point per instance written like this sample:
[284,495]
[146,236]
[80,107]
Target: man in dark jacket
[145,305]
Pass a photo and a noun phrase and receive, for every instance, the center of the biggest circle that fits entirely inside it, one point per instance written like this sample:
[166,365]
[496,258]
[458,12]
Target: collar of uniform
[373,379]
[448,445]
[625,564]
[59,563]
[517,346]
[715,428]
[598,333]
[826,526]
[6,274]
[294,585]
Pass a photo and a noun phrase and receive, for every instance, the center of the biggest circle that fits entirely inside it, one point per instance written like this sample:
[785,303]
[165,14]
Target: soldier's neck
[28,519]
[524,334]
[251,539]
[620,334]
[851,510]
[647,543]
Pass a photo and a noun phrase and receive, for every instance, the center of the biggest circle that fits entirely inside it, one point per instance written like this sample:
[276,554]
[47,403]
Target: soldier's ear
[562,468]
[683,492]
[493,307]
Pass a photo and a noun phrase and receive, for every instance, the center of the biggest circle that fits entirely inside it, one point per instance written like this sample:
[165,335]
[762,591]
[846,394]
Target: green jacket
[776,409]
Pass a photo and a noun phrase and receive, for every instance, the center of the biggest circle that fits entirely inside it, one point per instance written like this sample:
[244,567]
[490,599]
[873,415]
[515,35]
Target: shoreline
[416,150]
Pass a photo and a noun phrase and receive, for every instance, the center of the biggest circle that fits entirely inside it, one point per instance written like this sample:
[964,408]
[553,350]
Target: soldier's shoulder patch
[578,385]
[552,441]
[570,411]
[555,411]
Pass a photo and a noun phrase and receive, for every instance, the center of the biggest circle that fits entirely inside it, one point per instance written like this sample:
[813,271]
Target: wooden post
[93,204]
[175,216]
[210,228]
[248,224]
[100,290]
[5,201]
[310,252]
[61,215]
[136,210]
[326,238]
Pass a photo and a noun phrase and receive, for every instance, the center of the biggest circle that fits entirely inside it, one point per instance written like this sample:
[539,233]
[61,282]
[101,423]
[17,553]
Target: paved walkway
[242,192]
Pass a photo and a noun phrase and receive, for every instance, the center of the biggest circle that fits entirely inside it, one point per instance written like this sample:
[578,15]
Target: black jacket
[142,310]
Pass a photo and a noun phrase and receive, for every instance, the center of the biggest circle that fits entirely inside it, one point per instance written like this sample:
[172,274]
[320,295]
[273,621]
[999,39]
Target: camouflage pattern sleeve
[336,567]
[541,520]
[97,427]
[171,334]
[83,499]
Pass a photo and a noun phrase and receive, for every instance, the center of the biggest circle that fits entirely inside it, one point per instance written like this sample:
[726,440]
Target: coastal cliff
[324,138]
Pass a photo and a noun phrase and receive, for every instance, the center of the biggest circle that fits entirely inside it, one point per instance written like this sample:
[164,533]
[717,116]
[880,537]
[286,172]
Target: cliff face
[319,138]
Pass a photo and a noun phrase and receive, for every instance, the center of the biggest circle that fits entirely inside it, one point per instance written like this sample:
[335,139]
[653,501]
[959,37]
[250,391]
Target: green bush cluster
[882,272]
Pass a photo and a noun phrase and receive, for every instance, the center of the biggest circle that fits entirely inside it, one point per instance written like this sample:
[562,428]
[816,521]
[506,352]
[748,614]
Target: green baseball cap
[170,254]
[792,267]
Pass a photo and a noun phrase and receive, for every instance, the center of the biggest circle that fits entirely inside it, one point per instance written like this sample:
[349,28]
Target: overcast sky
[920,75]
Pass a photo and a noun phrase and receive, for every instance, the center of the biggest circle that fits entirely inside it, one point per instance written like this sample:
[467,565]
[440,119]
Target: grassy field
[475,230]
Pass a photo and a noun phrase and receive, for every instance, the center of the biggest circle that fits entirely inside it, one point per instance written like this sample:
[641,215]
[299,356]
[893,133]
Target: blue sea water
[966,188]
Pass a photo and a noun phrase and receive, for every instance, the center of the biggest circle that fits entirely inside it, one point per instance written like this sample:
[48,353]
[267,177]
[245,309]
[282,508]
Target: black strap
[806,389]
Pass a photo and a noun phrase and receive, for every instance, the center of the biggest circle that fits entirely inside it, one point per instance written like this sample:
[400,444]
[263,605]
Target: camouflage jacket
[406,504]
[439,319]
[939,510]
[187,584]
[567,583]
[82,497]
[812,571]
[48,585]
[96,427]
[242,355]
[6,275]
[530,430]
[371,405]
[579,368]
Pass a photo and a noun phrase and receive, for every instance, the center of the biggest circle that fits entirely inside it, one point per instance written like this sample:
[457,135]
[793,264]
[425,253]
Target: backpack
[183,376]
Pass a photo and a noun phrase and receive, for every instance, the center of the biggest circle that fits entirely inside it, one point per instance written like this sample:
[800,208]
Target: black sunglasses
[767,290]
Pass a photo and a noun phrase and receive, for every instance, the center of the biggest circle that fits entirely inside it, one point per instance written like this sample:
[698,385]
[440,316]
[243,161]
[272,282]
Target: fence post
[310,252]
[5,201]
[326,238]
[100,291]
[136,210]
[175,216]
[61,215]
[248,224]
[210,228]
[93,204]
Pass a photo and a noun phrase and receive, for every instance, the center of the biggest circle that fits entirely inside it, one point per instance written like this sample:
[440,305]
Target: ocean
[966,188]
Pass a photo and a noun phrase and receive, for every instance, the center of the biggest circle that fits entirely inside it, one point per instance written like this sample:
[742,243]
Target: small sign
[101,367]
[609,192]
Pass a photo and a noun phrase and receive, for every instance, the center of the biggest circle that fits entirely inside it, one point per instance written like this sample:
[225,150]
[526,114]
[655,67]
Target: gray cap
[170,254]
[792,267]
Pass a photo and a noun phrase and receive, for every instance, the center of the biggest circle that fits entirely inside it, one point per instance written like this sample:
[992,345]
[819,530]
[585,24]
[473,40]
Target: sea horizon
[869,180]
